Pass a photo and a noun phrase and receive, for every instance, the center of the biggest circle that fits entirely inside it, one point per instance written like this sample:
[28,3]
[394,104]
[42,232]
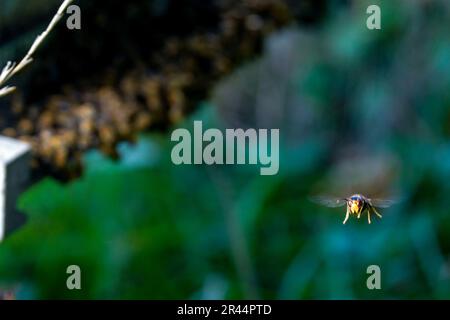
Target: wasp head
[355,203]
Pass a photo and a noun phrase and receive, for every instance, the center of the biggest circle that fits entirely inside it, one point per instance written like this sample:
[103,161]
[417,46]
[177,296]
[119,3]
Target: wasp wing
[329,201]
[382,203]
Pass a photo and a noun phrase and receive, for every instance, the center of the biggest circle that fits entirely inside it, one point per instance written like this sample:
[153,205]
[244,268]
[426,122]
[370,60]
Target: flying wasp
[357,204]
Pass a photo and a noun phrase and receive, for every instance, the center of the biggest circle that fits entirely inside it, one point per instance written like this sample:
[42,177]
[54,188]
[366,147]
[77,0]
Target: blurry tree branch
[12,68]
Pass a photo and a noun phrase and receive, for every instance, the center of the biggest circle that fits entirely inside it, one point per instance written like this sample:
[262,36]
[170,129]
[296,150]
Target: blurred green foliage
[360,110]
[144,228]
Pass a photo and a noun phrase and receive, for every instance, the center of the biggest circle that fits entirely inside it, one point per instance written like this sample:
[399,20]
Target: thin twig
[238,243]
[12,68]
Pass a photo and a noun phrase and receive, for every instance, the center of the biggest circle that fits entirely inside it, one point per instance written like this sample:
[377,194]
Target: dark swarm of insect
[356,205]
[154,97]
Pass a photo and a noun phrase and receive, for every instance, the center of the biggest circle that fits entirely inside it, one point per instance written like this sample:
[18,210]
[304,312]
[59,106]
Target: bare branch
[12,68]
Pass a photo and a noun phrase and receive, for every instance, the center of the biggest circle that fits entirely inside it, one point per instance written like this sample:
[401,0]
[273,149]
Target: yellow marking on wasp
[355,208]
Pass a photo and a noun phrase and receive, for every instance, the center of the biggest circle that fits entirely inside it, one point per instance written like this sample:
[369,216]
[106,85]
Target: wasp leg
[359,214]
[346,216]
[376,212]
[368,216]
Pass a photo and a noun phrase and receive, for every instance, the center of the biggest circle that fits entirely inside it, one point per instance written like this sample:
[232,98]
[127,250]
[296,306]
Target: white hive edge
[14,178]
